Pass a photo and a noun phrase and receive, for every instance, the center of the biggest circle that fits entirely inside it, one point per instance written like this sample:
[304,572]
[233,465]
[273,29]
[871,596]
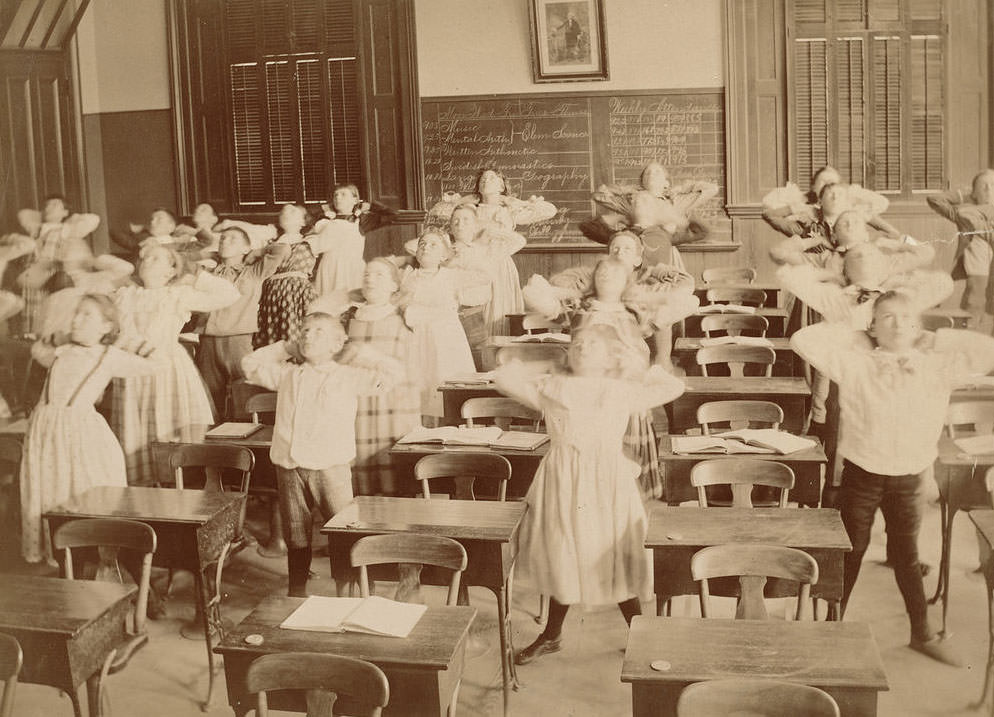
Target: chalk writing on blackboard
[562,148]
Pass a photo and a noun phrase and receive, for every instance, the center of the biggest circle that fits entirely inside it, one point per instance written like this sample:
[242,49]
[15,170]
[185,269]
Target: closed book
[520,440]
[233,429]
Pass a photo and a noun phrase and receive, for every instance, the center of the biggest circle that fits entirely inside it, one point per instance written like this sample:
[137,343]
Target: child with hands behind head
[894,385]
[581,540]
[314,439]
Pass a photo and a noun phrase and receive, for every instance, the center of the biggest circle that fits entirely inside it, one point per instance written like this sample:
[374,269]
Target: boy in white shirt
[314,434]
[894,385]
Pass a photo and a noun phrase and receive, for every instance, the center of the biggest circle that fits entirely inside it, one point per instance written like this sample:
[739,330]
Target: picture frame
[569,42]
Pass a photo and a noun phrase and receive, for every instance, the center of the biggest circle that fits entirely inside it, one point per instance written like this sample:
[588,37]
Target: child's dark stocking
[298,563]
[630,608]
[549,640]
[557,615]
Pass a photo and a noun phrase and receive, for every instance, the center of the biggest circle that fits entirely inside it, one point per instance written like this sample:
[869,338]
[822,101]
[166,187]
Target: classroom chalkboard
[563,146]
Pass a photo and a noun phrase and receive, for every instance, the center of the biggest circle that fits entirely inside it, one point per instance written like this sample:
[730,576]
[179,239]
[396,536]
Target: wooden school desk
[787,363]
[263,480]
[775,315]
[192,527]
[675,534]
[455,394]
[838,657]
[808,466]
[960,317]
[523,464]
[485,528]
[984,521]
[790,392]
[423,669]
[961,481]
[65,628]
[772,291]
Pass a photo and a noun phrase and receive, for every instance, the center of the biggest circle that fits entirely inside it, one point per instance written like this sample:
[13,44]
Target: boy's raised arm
[265,366]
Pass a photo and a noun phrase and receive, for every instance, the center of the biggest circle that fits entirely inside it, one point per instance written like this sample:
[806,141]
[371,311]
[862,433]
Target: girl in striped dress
[382,418]
[287,293]
[150,408]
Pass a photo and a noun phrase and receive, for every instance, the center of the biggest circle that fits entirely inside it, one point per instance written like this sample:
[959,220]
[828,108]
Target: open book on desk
[490,436]
[481,378]
[726,309]
[976,445]
[736,341]
[372,615]
[546,338]
[745,440]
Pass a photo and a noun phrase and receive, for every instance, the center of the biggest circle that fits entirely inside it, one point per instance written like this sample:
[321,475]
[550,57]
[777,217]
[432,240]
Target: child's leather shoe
[542,645]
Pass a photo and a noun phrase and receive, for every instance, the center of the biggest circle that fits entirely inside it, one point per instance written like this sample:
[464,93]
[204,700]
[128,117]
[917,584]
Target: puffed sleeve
[209,293]
[534,209]
[514,379]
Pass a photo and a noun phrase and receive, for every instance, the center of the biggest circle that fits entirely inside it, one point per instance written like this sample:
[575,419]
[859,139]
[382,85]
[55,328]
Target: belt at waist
[290,275]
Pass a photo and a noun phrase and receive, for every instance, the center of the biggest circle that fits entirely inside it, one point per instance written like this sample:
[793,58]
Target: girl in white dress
[151,408]
[581,540]
[430,297]
[69,448]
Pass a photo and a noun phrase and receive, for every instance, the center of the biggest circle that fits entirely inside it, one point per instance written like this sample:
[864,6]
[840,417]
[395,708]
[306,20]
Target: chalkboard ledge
[592,248]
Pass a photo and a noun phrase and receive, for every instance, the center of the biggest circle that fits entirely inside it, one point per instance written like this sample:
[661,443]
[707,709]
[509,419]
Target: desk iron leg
[202,599]
[990,639]
[508,672]
[945,567]
[943,517]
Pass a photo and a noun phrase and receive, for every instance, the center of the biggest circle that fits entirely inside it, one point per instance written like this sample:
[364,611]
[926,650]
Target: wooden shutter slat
[246,113]
[282,138]
[927,120]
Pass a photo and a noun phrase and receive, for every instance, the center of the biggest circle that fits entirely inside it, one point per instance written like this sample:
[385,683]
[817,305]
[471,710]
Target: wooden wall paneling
[968,84]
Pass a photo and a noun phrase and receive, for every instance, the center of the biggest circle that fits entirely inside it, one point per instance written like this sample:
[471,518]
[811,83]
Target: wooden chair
[543,357]
[738,358]
[333,684]
[11,659]
[979,415]
[755,696]
[417,548]
[741,475]
[108,536]
[934,322]
[240,392]
[753,564]
[729,275]
[260,403]
[735,324]
[261,406]
[736,295]
[538,324]
[734,413]
[463,469]
[503,410]
[214,459]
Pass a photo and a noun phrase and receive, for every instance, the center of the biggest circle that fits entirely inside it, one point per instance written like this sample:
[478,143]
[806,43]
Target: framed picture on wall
[568,40]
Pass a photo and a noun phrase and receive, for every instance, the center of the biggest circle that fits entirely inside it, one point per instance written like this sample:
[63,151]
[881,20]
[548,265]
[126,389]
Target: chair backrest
[463,469]
[737,358]
[418,548]
[735,324]
[543,357]
[212,458]
[979,415]
[109,535]
[729,275]
[736,295]
[11,659]
[335,684]
[754,696]
[260,403]
[753,564]
[536,324]
[747,413]
[240,392]
[934,322]
[500,408]
[741,474]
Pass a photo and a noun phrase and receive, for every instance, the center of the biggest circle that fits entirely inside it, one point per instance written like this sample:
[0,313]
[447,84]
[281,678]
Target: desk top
[167,505]
[808,455]
[692,343]
[973,392]
[823,654]
[431,645]
[793,527]
[951,455]
[55,605]
[794,385]
[495,521]
[194,435]
[984,520]
[766,311]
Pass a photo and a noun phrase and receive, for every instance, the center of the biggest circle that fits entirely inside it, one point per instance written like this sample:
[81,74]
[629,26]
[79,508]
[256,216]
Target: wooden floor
[583,680]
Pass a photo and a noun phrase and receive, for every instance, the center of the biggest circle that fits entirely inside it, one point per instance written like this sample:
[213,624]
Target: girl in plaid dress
[150,408]
[287,293]
[382,418]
